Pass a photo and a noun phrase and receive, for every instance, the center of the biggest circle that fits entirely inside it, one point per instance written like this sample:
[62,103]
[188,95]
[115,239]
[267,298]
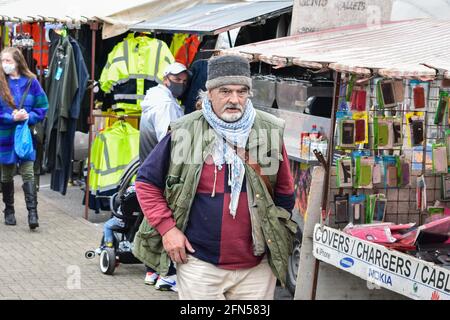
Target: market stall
[42,29]
[384,178]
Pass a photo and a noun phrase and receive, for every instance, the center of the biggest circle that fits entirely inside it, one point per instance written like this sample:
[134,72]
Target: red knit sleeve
[154,207]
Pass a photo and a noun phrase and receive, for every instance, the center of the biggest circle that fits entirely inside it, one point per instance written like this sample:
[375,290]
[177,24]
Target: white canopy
[411,49]
[117,15]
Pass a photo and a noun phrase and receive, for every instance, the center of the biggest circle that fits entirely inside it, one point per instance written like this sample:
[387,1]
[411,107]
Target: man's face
[176,83]
[176,78]
[229,101]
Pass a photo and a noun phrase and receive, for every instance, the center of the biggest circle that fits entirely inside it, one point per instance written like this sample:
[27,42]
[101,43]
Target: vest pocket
[151,239]
[172,194]
[281,238]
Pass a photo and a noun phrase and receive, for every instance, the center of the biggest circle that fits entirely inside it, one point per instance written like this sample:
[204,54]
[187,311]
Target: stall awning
[408,49]
[215,18]
[116,15]
[61,11]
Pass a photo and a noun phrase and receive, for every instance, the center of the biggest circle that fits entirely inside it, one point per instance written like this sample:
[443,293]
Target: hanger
[143,34]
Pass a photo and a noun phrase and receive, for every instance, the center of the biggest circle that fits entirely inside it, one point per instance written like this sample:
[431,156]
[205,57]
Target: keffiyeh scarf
[236,134]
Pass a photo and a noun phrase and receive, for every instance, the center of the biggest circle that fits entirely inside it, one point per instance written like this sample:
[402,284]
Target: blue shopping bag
[23,141]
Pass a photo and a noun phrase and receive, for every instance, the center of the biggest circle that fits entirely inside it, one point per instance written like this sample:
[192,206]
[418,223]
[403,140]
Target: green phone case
[383,134]
[365,175]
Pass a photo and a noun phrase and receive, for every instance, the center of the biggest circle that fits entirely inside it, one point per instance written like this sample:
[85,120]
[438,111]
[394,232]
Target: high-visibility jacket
[177,42]
[4,31]
[39,41]
[112,150]
[188,50]
[134,66]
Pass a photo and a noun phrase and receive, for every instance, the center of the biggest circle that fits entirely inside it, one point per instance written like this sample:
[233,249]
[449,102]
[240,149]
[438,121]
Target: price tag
[59,73]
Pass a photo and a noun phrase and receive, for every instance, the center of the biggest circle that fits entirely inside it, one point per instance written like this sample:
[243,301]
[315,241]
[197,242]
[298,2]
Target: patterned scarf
[236,133]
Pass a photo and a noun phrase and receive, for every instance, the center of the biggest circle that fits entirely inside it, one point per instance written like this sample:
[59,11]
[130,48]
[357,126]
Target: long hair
[19,59]
[5,93]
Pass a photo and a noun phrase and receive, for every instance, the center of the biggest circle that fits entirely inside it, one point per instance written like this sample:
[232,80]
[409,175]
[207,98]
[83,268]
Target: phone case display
[440,161]
[399,91]
[344,172]
[419,97]
[347,133]
[397,136]
[392,171]
[385,94]
[405,173]
[447,139]
[382,149]
[380,133]
[415,122]
[341,208]
[350,86]
[376,174]
[357,209]
[358,99]
[376,208]
[421,193]
[361,127]
[399,168]
[442,107]
[445,187]
[363,172]
[418,94]
[387,133]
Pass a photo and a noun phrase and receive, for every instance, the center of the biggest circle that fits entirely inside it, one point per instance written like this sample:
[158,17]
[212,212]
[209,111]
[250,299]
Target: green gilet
[187,157]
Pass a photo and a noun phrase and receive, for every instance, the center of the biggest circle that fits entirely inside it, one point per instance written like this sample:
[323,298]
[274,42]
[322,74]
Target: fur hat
[223,70]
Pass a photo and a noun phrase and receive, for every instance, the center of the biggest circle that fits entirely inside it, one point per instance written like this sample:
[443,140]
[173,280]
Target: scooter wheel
[108,261]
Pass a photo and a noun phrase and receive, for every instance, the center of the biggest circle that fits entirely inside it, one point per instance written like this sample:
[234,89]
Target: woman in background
[21,99]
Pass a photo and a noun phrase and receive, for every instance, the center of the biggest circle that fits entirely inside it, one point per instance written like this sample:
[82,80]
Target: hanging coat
[187,52]
[62,85]
[61,175]
[134,66]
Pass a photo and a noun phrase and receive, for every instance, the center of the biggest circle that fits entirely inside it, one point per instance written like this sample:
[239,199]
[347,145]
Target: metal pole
[229,39]
[94,28]
[337,86]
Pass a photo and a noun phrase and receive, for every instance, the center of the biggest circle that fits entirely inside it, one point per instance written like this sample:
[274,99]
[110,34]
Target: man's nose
[234,98]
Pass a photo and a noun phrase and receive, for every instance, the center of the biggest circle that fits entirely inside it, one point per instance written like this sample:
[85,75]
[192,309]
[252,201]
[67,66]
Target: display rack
[420,279]
[401,204]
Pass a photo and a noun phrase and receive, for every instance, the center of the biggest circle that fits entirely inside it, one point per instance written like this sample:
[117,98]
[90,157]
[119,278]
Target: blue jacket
[36,104]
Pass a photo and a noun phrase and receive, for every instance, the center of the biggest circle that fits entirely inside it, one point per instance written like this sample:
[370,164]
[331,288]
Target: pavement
[50,263]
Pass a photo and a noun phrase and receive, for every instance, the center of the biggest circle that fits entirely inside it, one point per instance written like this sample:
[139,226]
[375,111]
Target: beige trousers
[199,280]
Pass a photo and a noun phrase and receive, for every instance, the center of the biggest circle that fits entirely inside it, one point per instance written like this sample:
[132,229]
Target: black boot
[31,200]
[8,200]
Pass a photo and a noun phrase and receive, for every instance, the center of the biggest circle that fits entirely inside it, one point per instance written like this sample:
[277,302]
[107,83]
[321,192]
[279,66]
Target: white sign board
[378,265]
[316,15]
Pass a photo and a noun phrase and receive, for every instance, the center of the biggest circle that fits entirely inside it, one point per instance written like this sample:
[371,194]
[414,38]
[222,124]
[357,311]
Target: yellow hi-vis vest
[112,150]
[134,66]
[178,40]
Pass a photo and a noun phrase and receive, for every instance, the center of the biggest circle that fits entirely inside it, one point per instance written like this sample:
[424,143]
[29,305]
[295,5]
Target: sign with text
[390,269]
[316,15]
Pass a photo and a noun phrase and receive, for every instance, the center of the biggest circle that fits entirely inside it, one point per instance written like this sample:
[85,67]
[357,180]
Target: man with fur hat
[217,193]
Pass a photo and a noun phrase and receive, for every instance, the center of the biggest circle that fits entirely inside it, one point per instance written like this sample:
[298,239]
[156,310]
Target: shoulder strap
[254,165]
[24,96]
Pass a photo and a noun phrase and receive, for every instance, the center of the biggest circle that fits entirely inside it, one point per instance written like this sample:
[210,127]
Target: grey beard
[232,117]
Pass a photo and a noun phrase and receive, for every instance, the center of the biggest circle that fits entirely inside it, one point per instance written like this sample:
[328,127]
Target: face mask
[9,67]
[177,89]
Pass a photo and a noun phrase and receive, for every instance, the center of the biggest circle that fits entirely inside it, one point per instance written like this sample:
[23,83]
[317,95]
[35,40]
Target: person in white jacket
[160,107]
